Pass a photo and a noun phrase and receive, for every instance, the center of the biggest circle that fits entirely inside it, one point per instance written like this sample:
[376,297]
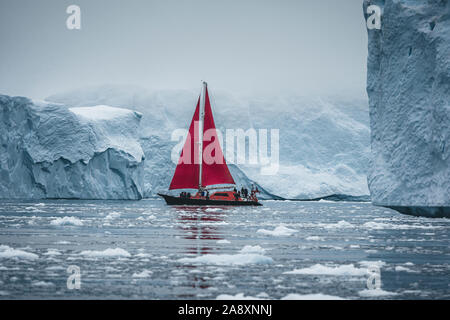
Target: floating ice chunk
[143,255]
[112,215]
[55,268]
[239,296]
[377,263]
[8,253]
[313,296]
[367,293]
[66,221]
[42,284]
[401,268]
[143,274]
[278,231]
[319,269]
[52,252]
[253,249]
[314,238]
[339,225]
[380,225]
[63,242]
[229,259]
[222,241]
[107,253]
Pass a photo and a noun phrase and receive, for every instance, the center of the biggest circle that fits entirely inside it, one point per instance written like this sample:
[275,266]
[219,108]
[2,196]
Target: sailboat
[193,171]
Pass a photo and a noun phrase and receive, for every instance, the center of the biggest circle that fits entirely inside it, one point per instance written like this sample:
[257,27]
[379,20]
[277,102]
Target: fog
[269,47]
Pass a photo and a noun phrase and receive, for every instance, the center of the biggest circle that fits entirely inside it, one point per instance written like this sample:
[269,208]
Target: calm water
[144,249]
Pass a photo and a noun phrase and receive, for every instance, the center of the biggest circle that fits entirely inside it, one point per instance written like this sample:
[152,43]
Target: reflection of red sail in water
[214,168]
[202,164]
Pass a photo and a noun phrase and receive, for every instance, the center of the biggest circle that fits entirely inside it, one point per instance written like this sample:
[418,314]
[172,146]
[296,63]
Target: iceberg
[48,150]
[408,84]
[324,142]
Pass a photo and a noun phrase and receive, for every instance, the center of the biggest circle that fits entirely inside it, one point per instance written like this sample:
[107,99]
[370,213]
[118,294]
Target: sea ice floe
[314,238]
[401,268]
[376,263]
[368,293]
[63,242]
[112,215]
[278,231]
[52,252]
[66,221]
[239,296]
[312,296]
[381,225]
[228,259]
[252,249]
[42,284]
[339,225]
[341,270]
[222,241]
[8,252]
[107,253]
[143,274]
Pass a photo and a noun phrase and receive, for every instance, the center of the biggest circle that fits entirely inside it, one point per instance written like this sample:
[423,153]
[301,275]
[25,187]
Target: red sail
[187,171]
[214,169]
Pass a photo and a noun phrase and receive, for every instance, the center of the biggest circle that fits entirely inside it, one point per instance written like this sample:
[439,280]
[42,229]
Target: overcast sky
[245,46]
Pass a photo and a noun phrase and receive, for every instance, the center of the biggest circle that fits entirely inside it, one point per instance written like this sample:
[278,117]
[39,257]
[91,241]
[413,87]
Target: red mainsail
[214,168]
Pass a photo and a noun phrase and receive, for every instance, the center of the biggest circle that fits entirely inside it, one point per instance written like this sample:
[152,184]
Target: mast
[200,134]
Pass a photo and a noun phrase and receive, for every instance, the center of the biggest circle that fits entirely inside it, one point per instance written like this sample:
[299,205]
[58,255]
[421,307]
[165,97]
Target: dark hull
[171,200]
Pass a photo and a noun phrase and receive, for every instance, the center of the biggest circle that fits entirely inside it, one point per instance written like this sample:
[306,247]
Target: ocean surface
[282,250]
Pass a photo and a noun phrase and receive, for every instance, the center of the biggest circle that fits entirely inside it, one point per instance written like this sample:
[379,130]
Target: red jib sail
[214,167]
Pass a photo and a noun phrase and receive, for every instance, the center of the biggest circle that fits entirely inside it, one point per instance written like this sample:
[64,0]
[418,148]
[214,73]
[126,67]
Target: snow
[7,252]
[341,270]
[324,141]
[409,104]
[60,152]
[66,221]
[107,253]
[313,296]
[228,259]
[278,231]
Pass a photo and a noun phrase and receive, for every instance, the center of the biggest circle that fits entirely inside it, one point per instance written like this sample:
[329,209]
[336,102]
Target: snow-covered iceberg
[324,142]
[408,83]
[50,151]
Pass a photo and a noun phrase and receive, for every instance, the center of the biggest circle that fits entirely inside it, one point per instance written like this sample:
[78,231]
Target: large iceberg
[50,151]
[408,83]
[324,142]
